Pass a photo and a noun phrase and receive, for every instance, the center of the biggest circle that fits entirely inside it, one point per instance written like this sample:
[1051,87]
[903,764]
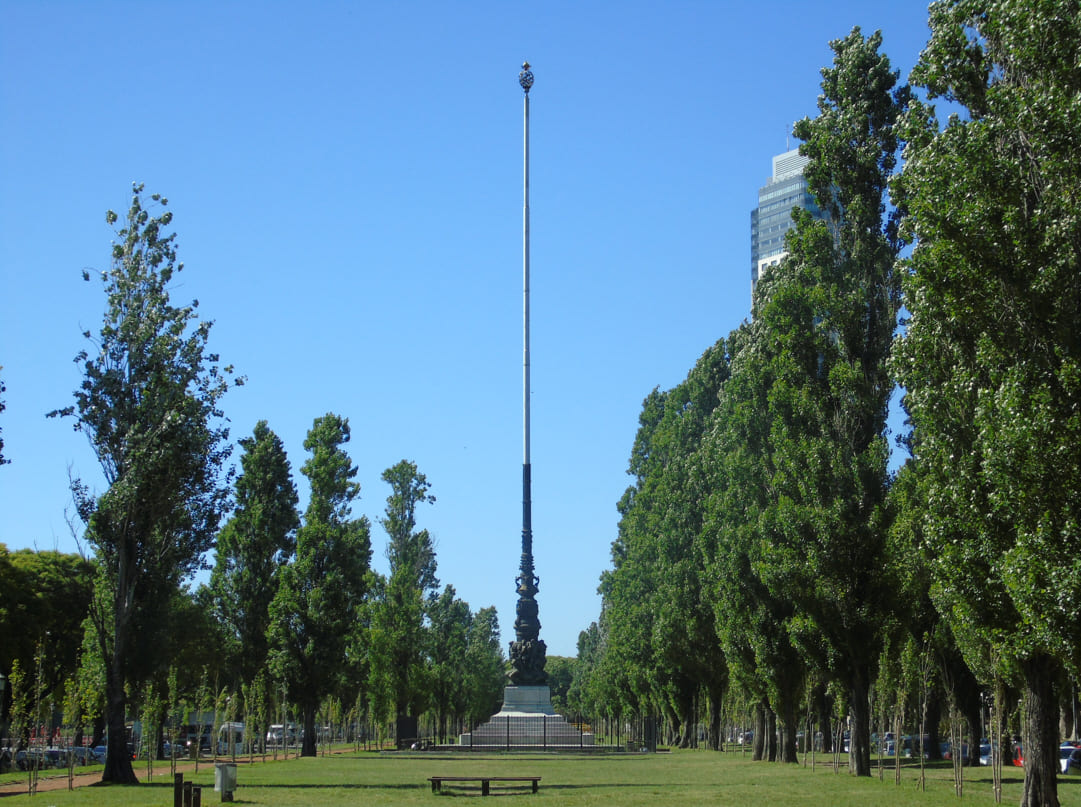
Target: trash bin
[225,779]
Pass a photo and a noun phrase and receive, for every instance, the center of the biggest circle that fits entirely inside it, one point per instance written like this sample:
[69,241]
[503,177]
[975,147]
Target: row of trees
[299,602]
[764,547]
[292,602]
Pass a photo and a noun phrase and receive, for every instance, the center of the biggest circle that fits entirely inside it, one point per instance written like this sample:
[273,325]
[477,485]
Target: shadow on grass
[299,786]
[424,785]
[470,791]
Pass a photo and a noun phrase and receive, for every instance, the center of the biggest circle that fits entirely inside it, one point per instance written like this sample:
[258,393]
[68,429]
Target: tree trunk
[716,698]
[758,742]
[1039,732]
[823,711]
[307,748]
[932,718]
[789,724]
[859,740]
[690,725]
[974,733]
[675,728]
[825,720]
[771,735]
[789,720]
[965,689]
[118,768]
[1068,728]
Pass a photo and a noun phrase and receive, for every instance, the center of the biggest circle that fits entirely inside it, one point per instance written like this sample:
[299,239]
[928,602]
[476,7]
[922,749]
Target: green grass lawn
[650,780]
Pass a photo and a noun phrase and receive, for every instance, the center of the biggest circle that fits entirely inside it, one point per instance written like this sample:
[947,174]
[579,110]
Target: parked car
[1070,759]
[278,733]
[196,739]
[87,756]
[889,747]
[33,759]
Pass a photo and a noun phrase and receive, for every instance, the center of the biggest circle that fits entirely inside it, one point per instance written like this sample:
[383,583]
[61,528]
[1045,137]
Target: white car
[1069,758]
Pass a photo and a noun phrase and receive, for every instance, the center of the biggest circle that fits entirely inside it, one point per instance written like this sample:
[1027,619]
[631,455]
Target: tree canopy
[990,358]
[399,616]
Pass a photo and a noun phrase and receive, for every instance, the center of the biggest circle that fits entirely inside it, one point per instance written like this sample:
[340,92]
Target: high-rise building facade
[786,189]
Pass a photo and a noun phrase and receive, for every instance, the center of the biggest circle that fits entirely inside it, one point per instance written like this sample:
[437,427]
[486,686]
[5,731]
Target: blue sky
[346,180]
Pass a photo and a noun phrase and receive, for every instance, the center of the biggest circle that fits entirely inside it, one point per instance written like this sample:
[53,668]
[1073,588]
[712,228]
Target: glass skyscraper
[786,189]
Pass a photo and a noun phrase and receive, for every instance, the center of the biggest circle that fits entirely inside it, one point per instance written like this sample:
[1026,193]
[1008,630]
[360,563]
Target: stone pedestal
[519,700]
[527,721]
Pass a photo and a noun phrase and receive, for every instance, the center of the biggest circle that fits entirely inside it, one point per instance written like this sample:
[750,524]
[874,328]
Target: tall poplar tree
[448,640]
[318,603]
[149,406]
[991,357]
[752,619]
[815,379]
[661,620]
[398,620]
[254,544]
[839,308]
[485,674]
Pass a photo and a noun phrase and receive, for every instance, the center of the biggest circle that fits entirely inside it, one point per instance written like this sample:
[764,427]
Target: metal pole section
[525,280]
[525,283]
[525,79]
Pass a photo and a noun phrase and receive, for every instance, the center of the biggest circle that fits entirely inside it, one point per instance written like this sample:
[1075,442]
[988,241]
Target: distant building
[786,189]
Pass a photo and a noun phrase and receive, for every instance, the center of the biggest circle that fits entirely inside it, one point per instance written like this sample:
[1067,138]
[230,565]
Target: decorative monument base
[520,700]
[526,721]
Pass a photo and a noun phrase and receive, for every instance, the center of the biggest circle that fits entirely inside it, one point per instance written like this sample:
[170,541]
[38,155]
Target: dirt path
[53,779]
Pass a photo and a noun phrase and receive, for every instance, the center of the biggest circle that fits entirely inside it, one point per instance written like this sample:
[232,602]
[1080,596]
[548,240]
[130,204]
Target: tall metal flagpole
[525,78]
[527,651]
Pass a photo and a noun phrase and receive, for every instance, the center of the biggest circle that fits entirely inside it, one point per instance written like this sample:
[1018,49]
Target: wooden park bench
[485,781]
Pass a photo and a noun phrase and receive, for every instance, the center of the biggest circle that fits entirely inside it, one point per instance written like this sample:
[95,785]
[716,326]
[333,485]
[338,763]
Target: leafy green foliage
[752,621]
[990,358]
[253,546]
[319,597]
[794,545]
[824,320]
[465,663]
[662,639]
[44,594]
[586,692]
[448,640]
[484,666]
[409,552]
[398,618]
[149,406]
[560,677]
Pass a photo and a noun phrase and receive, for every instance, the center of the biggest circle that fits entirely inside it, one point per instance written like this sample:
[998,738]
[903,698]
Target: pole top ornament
[525,78]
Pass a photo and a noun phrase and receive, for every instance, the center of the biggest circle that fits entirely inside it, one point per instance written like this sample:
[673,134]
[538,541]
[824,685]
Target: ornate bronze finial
[525,78]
